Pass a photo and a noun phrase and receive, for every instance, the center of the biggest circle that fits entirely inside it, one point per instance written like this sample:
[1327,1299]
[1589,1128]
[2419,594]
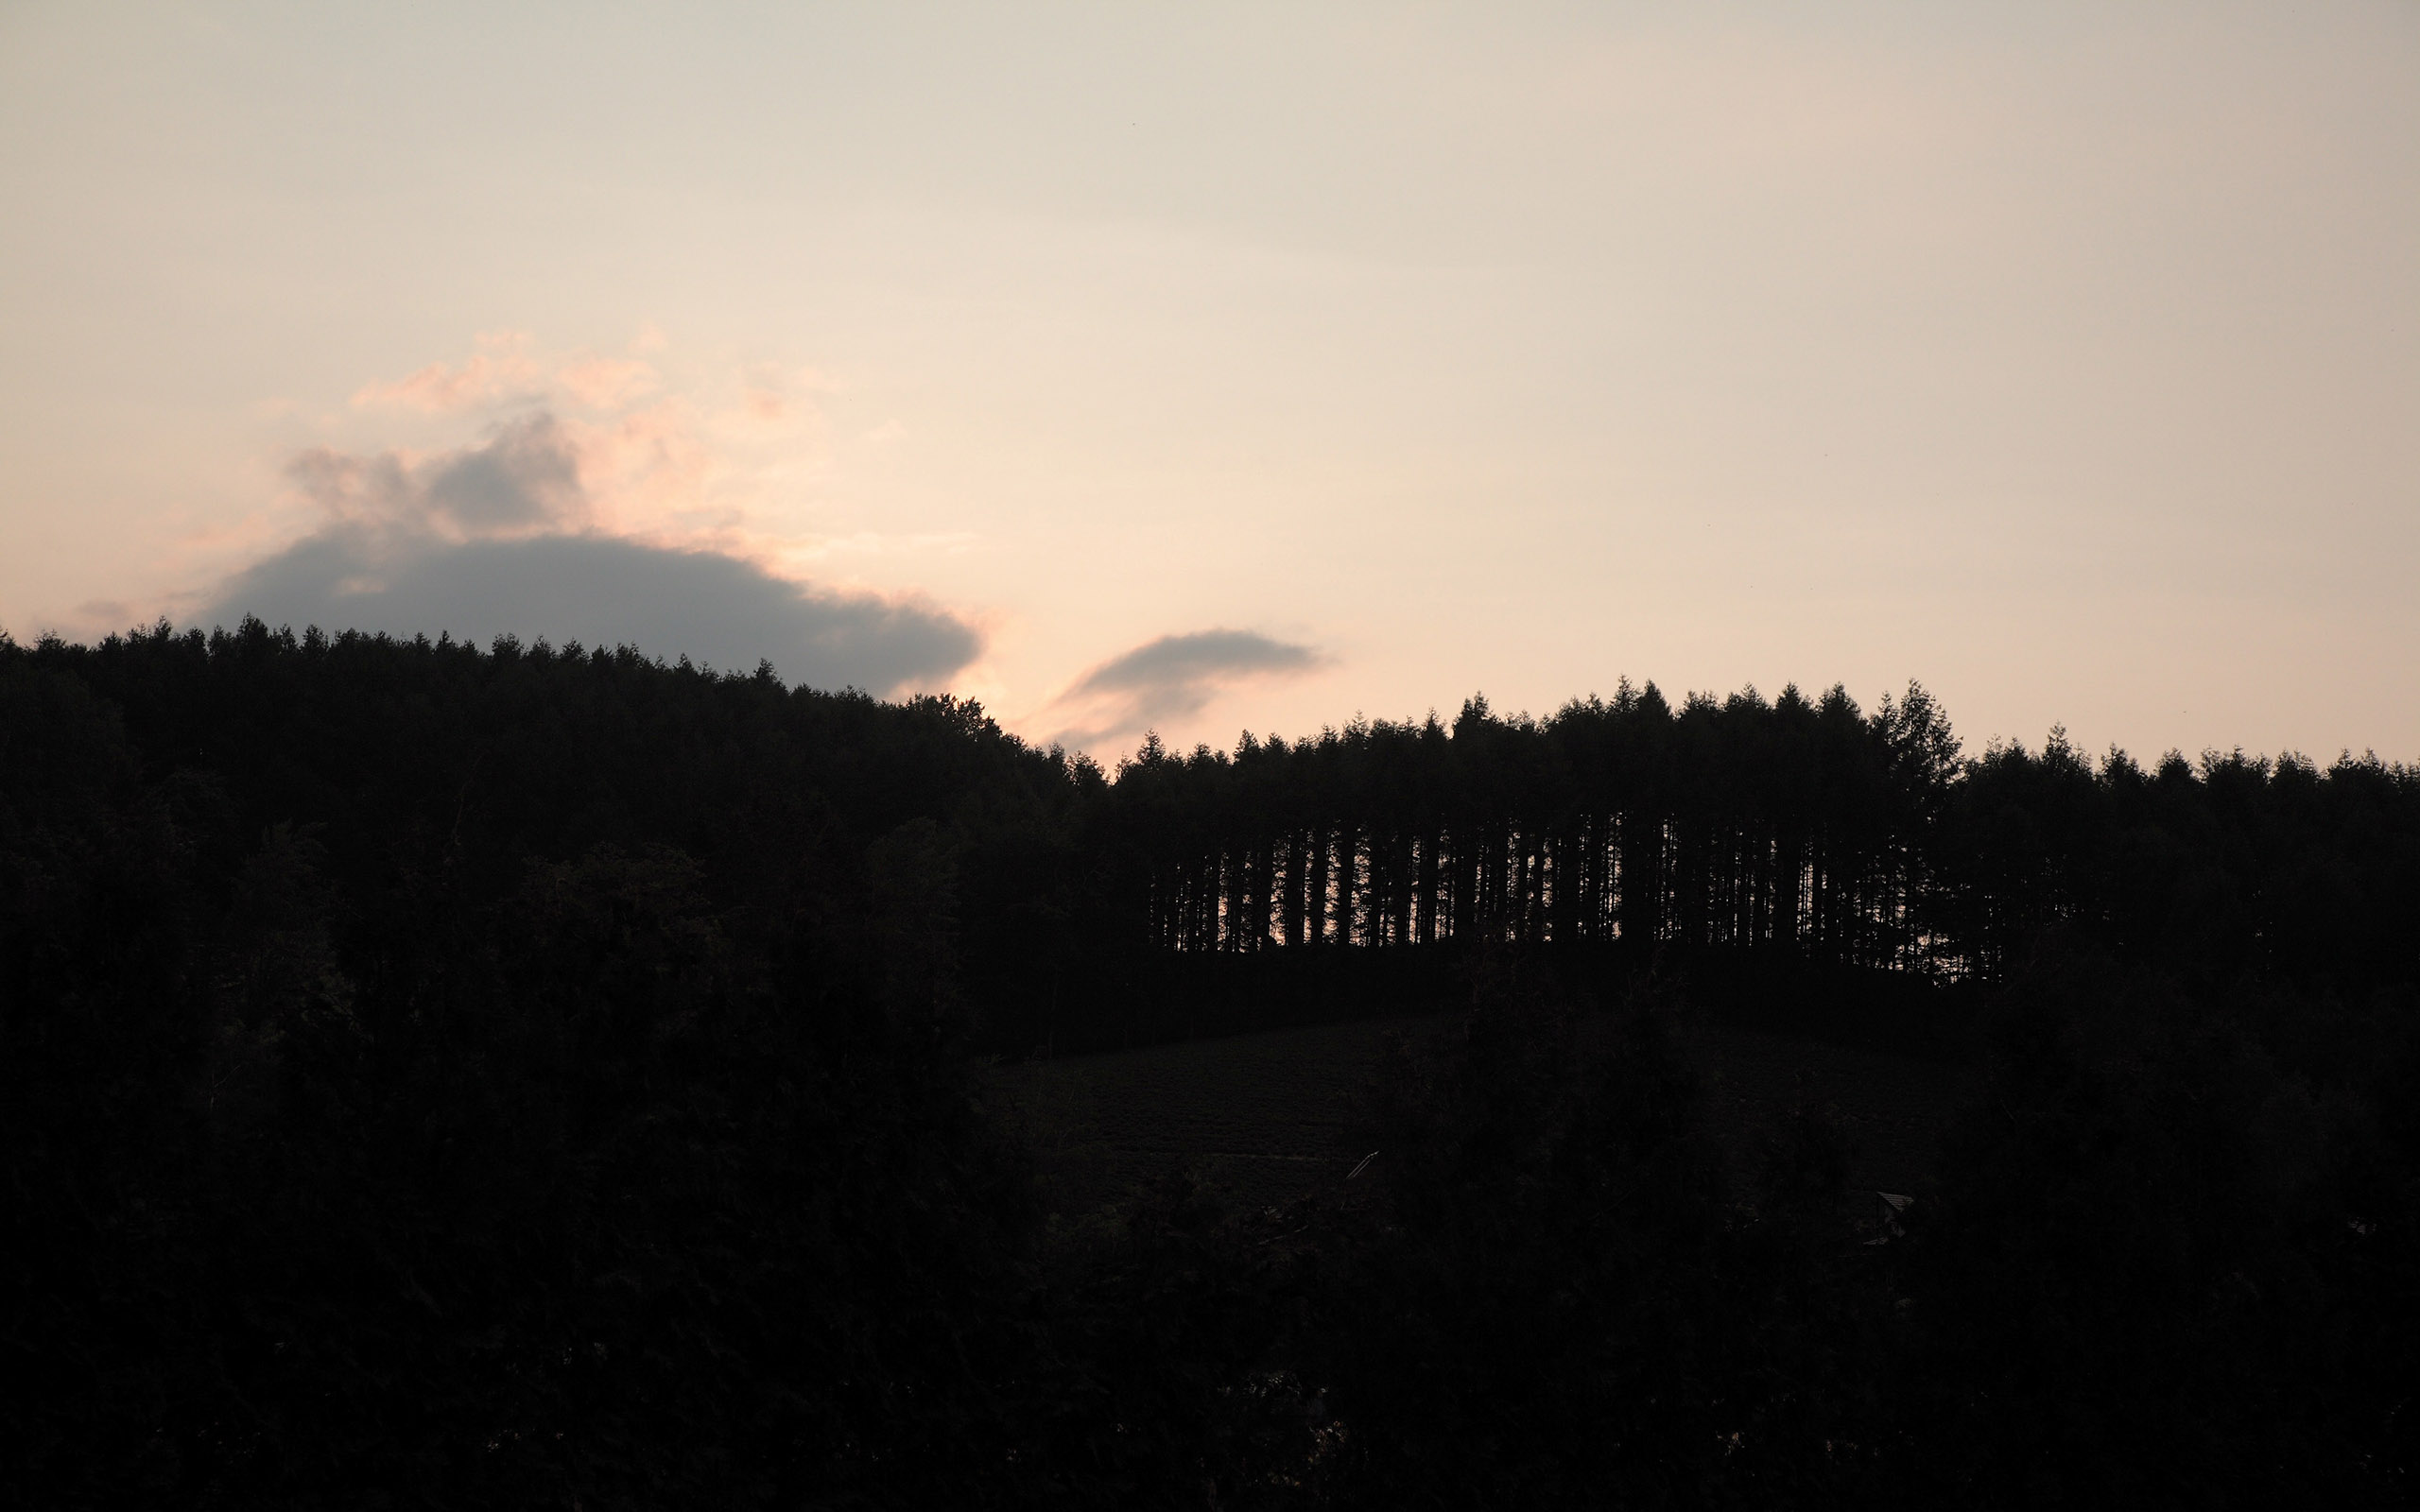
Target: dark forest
[535,1077]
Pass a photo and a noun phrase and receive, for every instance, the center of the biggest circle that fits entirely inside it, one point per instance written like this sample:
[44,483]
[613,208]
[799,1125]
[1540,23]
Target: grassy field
[1264,1115]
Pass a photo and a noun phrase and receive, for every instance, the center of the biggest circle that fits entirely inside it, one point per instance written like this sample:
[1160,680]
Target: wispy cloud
[1170,678]
[722,458]
[502,367]
[608,383]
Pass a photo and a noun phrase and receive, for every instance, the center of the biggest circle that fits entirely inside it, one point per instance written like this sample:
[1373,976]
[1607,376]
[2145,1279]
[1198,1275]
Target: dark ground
[1265,1115]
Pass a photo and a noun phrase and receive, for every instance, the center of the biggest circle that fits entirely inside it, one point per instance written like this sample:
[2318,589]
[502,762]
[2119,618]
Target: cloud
[700,457]
[604,592]
[609,383]
[499,538]
[501,367]
[525,480]
[1172,677]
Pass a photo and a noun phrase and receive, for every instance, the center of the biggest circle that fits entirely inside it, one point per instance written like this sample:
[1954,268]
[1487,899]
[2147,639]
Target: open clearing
[1264,1115]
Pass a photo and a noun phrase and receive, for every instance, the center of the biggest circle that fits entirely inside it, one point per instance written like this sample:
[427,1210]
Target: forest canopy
[1801,829]
[436,1074]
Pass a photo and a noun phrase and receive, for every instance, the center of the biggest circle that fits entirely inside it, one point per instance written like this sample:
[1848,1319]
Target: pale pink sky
[2066,359]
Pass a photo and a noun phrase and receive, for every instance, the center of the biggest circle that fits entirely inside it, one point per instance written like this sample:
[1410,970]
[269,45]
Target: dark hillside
[405,760]
[1268,1117]
[435,1077]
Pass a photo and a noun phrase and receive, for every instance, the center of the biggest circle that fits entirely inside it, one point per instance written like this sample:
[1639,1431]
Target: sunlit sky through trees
[1205,367]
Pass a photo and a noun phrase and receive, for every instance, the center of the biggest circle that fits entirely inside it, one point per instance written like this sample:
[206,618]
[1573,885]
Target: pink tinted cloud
[727,459]
[601,531]
[647,460]
[608,383]
[499,368]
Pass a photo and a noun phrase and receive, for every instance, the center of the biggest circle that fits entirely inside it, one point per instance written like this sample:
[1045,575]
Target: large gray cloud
[524,480]
[1172,677]
[488,541]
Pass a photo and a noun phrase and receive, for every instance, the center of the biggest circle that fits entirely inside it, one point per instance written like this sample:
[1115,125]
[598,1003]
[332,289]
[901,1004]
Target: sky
[1205,368]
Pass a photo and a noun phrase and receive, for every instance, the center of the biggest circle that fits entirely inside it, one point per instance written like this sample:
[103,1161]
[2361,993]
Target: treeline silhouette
[1795,835]
[434,1076]
[1801,826]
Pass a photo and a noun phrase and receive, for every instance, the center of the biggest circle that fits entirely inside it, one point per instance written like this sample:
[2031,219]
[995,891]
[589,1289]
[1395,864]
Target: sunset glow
[2062,359]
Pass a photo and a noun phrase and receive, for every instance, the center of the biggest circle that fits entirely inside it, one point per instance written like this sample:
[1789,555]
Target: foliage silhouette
[533,1076]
